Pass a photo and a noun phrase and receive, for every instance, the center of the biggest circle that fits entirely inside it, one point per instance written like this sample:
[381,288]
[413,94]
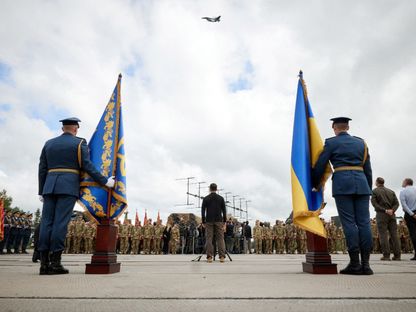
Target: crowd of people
[240,237]
[188,238]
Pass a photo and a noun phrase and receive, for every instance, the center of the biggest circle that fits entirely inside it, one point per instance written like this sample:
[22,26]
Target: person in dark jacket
[351,188]
[248,235]
[229,235]
[385,203]
[213,213]
[166,236]
[61,161]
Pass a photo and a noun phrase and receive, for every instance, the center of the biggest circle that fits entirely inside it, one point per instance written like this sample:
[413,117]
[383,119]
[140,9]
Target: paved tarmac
[175,283]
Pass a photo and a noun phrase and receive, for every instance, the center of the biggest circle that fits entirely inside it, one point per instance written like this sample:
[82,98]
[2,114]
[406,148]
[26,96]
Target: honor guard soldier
[19,233]
[351,188]
[7,221]
[61,161]
[27,231]
[13,234]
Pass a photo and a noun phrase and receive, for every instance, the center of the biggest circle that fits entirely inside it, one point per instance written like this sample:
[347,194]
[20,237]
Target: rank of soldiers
[281,238]
[18,227]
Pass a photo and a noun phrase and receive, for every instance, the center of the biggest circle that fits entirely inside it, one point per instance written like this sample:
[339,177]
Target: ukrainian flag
[306,147]
[107,153]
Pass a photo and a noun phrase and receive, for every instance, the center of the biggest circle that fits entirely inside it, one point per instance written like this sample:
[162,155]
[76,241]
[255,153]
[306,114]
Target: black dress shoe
[352,269]
[414,258]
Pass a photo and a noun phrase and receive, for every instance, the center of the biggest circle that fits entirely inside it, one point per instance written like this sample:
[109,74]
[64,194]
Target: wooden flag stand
[318,260]
[104,259]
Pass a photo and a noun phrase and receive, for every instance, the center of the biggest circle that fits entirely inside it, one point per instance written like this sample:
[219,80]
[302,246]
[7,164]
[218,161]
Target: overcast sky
[214,101]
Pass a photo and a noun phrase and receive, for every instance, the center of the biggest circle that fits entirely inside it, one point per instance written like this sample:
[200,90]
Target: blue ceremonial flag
[306,147]
[107,153]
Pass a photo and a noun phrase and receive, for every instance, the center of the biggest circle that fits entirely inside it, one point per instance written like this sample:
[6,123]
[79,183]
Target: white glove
[111,181]
[41,198]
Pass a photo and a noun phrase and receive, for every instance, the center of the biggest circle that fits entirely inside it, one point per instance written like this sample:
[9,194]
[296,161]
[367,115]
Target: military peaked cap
[340,120]
[70,121]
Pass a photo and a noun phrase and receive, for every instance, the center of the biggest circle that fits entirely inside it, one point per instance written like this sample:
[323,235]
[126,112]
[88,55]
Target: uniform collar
[343,133]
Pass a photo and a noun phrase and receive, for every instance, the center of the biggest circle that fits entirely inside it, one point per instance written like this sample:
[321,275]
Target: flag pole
[318,259]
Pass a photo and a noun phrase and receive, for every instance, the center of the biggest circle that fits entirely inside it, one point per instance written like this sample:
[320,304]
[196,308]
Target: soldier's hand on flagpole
[111,182]
[41,198]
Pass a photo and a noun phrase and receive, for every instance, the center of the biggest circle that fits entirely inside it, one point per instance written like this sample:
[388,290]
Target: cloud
[210,100]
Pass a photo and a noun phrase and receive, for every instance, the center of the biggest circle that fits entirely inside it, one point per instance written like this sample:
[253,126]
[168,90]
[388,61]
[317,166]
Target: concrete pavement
[250,282]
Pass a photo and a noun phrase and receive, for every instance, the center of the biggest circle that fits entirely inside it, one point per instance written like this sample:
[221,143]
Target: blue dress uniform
[27,232]
[7,221]
[61,161]
[19,233]
[351,188]
[14,231]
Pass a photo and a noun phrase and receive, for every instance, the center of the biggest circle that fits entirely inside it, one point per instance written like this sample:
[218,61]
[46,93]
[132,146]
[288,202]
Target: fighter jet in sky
[212,19]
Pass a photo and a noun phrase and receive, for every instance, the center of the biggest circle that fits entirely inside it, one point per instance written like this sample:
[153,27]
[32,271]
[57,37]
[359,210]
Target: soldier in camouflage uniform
[291,238]
[301,240]
[258,237]
[343,241]
[268,238]
[274,234]
[124,237]
[338,239]
[374,233]
[89,233]
[158,235]
[174,239]
[280,238]
[69,239]
[331,236]
[147,237]
[78,234]
[130,235]
[403,234]
[136,238]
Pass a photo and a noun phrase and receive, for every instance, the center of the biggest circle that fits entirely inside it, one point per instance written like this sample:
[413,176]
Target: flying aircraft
[212,19]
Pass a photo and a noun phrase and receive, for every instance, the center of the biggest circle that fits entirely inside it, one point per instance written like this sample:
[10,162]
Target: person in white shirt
[408,202]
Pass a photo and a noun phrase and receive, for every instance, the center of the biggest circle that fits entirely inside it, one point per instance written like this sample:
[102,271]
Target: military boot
[56,266]
[365,263]
[354,267]
[45,265]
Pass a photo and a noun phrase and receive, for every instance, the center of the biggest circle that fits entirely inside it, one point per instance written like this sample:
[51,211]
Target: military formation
[281,238]
[80,236]
[18,228]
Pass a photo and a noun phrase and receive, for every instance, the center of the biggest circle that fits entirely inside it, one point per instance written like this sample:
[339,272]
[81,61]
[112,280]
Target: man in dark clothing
[386,203]
[214,214]
[229,234]
[248,236]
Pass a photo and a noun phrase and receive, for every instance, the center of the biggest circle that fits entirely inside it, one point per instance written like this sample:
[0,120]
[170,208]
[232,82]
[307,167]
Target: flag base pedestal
[104,259]
[318,260]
